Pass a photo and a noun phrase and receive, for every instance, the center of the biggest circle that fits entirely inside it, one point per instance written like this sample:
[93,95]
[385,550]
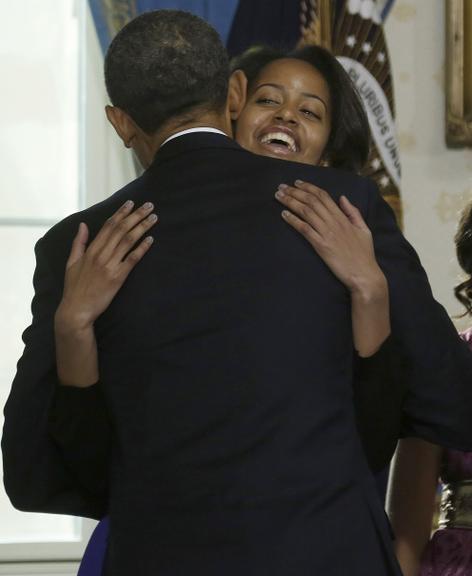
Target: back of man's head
[166,64]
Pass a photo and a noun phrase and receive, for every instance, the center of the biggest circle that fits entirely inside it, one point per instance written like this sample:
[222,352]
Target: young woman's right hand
[94,274]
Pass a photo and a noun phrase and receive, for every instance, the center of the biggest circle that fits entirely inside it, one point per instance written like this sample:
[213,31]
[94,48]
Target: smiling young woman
[288,113]
[301,106]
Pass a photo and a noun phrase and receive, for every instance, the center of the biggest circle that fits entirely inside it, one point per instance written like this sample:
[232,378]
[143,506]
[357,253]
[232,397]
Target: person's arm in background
[343,241]
[411,496]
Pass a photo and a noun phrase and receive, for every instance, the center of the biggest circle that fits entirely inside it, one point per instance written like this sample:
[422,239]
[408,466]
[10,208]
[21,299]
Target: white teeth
[281,136]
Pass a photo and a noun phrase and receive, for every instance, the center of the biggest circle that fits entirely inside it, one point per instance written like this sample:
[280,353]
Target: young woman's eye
[311,114]
[266,101]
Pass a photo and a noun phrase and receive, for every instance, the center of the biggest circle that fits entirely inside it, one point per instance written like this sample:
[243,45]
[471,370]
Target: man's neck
[147,145]
[218,122]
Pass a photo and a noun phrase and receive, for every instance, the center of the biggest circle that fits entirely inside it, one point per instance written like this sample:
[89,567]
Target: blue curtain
[111,15]
[240,23]
[270,22]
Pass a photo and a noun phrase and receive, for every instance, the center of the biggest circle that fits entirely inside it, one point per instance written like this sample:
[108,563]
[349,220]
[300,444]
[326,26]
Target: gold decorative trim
[456,505]
[316,23]
[459,73]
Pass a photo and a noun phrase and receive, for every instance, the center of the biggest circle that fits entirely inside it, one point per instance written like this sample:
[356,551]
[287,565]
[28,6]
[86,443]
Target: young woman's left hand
[339,234]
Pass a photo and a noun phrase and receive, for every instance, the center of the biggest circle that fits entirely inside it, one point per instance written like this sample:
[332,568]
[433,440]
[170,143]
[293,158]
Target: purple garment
[449,552]
[92,561]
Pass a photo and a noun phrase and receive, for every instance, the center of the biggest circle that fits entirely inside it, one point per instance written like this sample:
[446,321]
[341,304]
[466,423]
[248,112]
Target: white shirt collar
[190,130]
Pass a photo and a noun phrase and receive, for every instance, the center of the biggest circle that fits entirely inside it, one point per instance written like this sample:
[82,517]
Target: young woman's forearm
[370,313]
[76,352]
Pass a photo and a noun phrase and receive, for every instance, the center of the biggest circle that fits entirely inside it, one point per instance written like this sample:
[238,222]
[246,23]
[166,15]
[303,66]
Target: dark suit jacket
[226,366]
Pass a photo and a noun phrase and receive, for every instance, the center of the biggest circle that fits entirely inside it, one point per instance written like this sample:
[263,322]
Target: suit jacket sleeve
[379,387]
[40,473]
[438,403]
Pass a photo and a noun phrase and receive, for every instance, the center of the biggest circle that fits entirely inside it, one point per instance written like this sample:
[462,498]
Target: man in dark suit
[226,358]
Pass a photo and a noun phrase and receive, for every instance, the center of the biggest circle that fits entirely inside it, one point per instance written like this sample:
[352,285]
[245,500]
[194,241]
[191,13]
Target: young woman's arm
[93,276]
[368,285]
[410,500]
[344,242]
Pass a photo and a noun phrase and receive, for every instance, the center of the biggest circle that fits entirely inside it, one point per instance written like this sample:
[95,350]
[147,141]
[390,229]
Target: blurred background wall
[436,181]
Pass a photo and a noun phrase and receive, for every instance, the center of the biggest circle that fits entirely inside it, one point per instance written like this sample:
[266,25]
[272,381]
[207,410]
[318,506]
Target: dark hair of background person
[166,64]
[463,242]
[349,142]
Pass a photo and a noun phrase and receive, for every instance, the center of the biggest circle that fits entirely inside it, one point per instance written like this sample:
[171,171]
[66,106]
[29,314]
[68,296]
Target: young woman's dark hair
[463,242]
[349,141]
[165,64]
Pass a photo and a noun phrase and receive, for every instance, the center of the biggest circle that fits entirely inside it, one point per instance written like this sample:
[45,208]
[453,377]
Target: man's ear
[237,93]
[122,123]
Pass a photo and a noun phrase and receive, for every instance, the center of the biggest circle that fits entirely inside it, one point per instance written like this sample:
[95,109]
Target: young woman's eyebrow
[282,88]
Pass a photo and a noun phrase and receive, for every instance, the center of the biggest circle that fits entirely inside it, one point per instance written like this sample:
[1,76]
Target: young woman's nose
[286,114]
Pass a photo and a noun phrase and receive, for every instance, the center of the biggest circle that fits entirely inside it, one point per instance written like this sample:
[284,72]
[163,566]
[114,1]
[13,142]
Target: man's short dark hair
[164,64]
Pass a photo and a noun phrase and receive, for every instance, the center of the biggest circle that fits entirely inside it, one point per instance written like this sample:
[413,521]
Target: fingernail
[128,204]
[282,187]
[152,218]
[149,239]
[299,182]
[148,206]
[279,194]
[285,213]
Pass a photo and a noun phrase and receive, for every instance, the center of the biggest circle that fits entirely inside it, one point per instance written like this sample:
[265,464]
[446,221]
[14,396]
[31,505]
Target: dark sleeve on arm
[438,405]
[79,425]
[379,393]
[37,478]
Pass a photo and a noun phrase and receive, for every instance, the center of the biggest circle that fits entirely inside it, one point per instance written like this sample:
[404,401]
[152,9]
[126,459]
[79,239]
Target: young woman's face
[287,114]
